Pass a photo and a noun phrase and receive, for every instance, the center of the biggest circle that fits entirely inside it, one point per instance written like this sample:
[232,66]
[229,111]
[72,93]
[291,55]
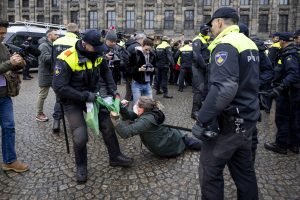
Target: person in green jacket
[148,124]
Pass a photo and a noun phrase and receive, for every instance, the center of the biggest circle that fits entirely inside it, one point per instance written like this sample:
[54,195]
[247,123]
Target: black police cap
[244,29]
[224,12]
[286,36]
[204,27]
[297,33]
[94,38]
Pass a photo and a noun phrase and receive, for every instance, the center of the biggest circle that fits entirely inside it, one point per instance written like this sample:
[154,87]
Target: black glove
[275,92]
[91,97]
[203,133]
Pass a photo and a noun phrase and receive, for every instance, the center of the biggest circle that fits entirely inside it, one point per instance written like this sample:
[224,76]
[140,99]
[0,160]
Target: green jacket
[158,139]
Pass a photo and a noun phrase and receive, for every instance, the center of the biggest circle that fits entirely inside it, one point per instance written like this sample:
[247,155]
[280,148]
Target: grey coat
[45,63]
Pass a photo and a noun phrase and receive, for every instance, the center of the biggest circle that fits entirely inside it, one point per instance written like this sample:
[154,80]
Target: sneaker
[16,166]
[41,118]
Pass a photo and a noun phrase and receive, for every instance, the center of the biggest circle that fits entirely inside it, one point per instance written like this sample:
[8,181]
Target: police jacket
[234,77]
[185,54]
[266,72]
[274,53]
[76,75]
[139,61]
[64,43]
[164,55]
[287,69]
[200,52]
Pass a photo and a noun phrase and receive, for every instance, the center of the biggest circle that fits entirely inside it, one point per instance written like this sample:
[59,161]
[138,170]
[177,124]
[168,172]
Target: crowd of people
[233,75]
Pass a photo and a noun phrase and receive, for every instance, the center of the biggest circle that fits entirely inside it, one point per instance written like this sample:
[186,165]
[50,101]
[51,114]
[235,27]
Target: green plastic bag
[91,117]
[114,107]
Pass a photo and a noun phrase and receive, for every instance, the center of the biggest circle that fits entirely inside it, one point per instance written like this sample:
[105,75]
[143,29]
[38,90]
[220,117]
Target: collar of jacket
[70,34]
[288,50]
[206,37]
[218,39]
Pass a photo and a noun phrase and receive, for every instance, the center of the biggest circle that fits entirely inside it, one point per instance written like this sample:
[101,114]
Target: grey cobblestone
[51,174]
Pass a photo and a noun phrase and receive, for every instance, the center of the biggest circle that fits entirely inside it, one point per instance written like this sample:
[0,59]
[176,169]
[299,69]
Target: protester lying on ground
[148,124]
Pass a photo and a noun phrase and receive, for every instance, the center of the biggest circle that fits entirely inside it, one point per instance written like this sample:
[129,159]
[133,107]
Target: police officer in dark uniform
[60,45]
[200,68]
[286,91]
[274,49]
[232,99]
[164,60]
[185,55]
[297,37]
[76,81]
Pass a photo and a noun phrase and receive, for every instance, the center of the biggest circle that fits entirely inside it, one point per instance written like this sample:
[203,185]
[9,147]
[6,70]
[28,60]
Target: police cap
[224,12]
[94,38]
[297,33]
[286,36]
[204,27]
[244,29]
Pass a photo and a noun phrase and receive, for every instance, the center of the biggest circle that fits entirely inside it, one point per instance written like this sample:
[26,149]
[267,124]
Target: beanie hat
[111,35]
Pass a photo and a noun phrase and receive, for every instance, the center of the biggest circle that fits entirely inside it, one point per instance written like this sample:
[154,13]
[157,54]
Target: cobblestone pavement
[51,174]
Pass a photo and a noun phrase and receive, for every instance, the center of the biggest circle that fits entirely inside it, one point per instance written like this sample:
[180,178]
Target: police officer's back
[232,98]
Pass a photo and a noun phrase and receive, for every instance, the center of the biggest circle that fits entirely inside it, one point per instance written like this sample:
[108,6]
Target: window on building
[244,19]
[263,23]
[55,3]
[40,18]
[11,3]
[25,17]
[74,17]
[11,18]
[283,22]
[93,19]
[55,19]
[189,19]
[40,3]
[130,19]
[25,3]
[244,2]
[283,2]
[225,2]
[169,19]
[263,2]
[206,18]
[111,19]
[207,2]
[149,19]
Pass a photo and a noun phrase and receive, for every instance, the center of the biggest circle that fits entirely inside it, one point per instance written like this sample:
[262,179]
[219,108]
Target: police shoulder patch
[68,52]
[221,57]
[57,70]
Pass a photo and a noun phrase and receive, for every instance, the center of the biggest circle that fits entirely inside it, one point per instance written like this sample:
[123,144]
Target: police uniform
[274,51]
[232,99]
[287,95]
[200,66]
[164,60]
[76,80]
[185,57]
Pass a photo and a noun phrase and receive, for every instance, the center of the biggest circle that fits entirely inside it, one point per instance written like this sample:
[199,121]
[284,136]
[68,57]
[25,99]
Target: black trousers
[162,79]
[233,150]
[200,87]
[78,128]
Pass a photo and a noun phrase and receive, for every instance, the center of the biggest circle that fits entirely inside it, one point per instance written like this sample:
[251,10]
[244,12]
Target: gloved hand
[91,97]
[198,131]
[275,92]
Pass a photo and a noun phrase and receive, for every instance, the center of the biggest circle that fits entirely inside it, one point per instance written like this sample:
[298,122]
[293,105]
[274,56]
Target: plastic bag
[91,117]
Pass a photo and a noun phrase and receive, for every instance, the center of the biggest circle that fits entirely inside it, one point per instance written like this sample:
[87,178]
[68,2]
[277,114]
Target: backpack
[13,82]
[124,57]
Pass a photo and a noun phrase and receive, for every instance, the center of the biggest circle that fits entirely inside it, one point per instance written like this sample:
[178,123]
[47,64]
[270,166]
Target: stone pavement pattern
[51,174]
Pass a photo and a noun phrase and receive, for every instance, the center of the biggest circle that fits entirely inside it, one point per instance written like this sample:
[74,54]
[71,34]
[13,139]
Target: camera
[149,68]
[28,53]
[115,61]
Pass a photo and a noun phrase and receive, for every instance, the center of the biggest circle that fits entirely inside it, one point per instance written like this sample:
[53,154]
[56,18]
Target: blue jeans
[8,130]
[140,90]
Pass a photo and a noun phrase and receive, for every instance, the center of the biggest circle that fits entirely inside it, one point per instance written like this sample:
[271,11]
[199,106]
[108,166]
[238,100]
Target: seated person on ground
[148,124]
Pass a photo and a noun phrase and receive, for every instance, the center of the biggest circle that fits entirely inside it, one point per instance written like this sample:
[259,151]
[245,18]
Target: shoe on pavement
[294,150]
[167,96]
[158,92]
[16,166]
[26,78]
[275,148]
[56,126]
[81,174]
[121,160]
[41,118]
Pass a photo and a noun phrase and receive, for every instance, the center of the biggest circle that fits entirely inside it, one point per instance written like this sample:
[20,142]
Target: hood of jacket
[158,115]
[259,43]
[131,42]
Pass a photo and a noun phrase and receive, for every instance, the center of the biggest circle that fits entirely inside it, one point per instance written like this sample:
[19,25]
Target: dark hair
[148,42]
[3,23]
[50,30]
[149,104]
[186,41]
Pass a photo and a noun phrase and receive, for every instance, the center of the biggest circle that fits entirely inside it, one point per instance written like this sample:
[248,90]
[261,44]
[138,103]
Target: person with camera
[25,71]
[147,120]
[144,64]
[8,64]
[233,100]
[76,82]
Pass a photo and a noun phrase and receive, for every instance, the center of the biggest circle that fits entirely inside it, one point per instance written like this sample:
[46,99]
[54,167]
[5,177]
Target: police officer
[287,95]
[297,37]
[274,49]
[200,68]
[232,98]
[164,61]
[76,81]
[185,55]
[60,45]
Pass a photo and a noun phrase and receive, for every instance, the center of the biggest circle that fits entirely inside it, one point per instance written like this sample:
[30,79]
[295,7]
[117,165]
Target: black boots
[81,174]
[167,96]
[275,148]
[121,160]
[56,126]
[158,92]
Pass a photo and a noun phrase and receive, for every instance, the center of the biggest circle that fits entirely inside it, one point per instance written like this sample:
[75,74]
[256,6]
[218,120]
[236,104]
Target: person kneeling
[148,124]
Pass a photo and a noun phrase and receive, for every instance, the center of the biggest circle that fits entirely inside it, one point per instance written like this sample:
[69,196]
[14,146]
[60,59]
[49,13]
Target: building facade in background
[155,17]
